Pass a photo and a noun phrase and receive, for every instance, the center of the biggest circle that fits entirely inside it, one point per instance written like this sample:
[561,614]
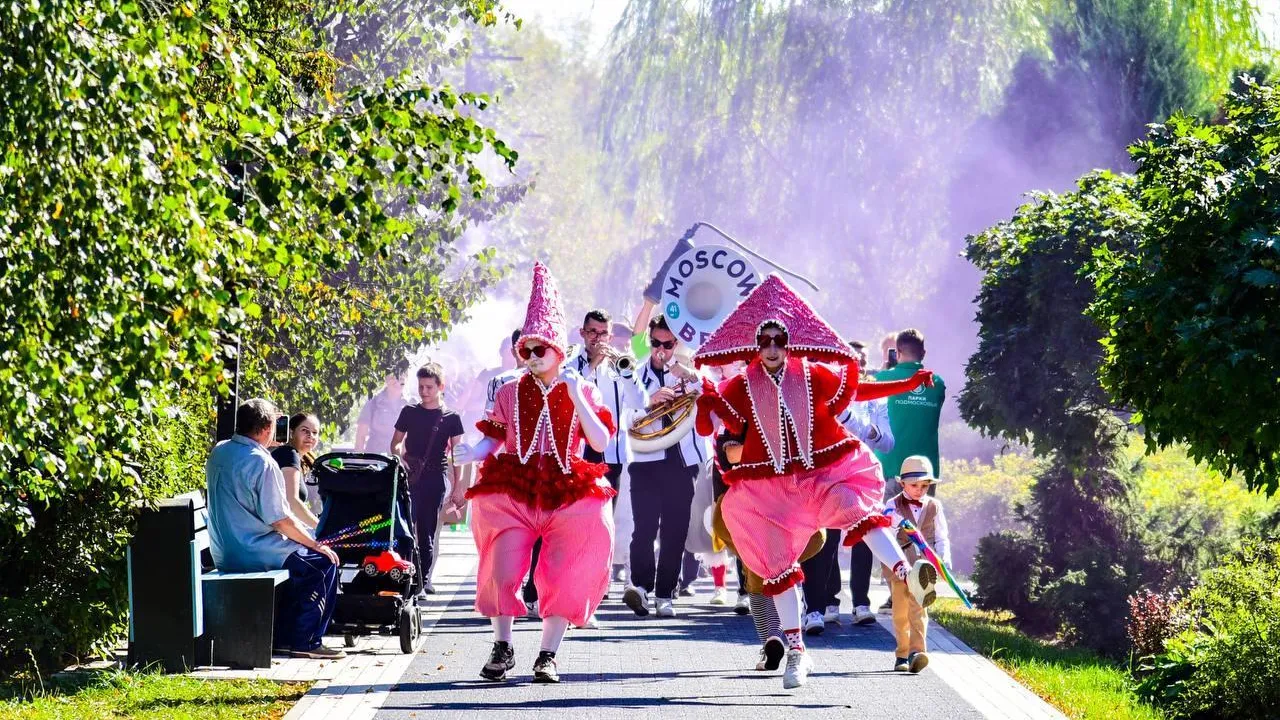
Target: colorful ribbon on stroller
[367,526]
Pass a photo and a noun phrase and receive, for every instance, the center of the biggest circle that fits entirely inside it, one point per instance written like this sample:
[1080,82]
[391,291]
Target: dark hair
[658,323]
[911,340]
[254,416]
[857,345]
[432,370]
[300,418]
[774,324]
[598,315]
[515,336]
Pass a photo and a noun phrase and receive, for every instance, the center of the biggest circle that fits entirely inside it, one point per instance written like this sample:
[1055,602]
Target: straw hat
[917,468]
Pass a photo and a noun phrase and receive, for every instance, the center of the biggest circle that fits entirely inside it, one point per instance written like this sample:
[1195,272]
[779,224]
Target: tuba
[649,432]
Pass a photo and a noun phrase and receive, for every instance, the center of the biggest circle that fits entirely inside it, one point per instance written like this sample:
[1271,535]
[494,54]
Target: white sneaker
[813,624]
[637,599]
[591,623]
[720,597]
[799,664]
[666,608]
[832,615]
[743,605]
[922,581]
[862,615]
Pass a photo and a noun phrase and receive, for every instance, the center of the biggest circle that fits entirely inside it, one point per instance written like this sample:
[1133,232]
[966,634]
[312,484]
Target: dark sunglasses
[536,351]
[778,341]
[668,345]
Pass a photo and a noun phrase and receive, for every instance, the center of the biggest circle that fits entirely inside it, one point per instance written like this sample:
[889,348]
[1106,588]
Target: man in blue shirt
[252,530]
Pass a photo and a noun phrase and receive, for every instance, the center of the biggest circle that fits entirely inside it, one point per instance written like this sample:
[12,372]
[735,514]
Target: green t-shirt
[913,417]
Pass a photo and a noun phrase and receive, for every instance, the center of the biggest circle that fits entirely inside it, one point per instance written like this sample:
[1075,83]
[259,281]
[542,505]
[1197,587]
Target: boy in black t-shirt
[425,437]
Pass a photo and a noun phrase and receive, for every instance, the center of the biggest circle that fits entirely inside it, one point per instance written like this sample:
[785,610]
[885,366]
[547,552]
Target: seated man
[252,530]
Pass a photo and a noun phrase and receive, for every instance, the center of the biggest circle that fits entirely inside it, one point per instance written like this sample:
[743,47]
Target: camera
[893,358]
[282,430]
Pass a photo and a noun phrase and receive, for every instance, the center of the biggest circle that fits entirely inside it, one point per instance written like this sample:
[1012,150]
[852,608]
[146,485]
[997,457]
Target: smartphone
[282,430]
[893,358]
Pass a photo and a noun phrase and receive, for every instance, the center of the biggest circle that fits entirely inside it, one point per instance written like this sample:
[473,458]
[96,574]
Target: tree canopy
[1191,311]
[165,186]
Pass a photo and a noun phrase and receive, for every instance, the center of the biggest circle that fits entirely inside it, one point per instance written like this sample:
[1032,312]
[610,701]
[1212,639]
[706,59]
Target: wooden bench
[182,613]
[240,615]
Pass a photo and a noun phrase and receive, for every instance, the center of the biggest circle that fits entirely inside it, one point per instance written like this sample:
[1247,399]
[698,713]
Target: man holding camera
[913,416]
[251,530]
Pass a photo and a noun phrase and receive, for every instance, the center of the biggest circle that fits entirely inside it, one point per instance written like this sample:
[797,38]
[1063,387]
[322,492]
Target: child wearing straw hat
[910,619]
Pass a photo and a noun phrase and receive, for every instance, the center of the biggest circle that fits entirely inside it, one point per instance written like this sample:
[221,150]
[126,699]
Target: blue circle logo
[673,310]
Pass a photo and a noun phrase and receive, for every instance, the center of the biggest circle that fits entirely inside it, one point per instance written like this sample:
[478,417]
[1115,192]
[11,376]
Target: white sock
[788,605]
[883,544]
[502,628]
[553,629]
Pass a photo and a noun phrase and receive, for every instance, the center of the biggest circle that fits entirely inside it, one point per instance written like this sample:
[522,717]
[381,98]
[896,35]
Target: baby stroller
[367,519]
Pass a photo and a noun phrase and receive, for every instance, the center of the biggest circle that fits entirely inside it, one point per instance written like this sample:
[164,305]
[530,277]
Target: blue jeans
[309,596]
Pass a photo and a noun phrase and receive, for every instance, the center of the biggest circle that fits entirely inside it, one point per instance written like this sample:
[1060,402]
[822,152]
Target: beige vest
[928,517]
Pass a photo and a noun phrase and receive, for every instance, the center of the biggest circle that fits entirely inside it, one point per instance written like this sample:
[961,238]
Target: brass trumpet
[620,362]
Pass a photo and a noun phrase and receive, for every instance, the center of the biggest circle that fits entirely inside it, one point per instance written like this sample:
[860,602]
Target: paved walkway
[697,665]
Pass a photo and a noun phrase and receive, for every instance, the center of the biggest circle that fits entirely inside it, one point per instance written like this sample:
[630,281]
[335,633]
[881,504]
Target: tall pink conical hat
[544,320]
[807,333]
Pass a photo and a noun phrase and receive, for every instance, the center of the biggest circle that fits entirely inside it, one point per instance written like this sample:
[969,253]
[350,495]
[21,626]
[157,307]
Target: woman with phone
[295,460]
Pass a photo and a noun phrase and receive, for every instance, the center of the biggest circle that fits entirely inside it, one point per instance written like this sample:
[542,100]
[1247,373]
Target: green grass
[1077,682]
[140,695]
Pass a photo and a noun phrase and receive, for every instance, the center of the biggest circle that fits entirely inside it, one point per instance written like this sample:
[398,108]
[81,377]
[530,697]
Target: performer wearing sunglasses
[538,486]
[800,471]
[662,484]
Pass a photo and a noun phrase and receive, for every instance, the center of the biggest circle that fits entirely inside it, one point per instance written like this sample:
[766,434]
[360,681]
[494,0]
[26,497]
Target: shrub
[1152,621]
[1223,664]
[1007,573]
[1090,602]
[62,585]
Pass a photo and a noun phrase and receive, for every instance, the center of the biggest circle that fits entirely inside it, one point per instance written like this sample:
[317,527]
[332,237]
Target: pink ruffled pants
[573,569]
[772,519]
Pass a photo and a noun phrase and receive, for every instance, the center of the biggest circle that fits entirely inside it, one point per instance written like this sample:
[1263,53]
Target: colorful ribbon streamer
[372,544]
[368,525]
[927,552]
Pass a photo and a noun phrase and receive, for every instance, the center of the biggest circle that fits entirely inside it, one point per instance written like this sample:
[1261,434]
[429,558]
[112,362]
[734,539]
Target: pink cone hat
[807,333]
[544,320]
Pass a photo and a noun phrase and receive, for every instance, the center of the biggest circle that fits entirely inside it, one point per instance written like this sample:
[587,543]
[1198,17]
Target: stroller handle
[377,457]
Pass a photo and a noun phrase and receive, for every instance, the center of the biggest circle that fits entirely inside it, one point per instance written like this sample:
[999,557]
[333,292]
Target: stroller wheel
[408,630]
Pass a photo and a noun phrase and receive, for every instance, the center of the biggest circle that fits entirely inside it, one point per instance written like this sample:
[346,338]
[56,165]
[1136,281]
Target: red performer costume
[801,471]
[538,486]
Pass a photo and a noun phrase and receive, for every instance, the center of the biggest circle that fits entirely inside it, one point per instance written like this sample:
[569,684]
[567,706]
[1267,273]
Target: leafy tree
[1110,67]
[1190,312]
[165,185]
[1034,380]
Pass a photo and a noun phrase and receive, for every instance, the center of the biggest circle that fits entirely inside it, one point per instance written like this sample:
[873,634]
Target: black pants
[614,476]
[530,591]
[427,494]
[860,563]
[689,567]
[661,493]
[822,574]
